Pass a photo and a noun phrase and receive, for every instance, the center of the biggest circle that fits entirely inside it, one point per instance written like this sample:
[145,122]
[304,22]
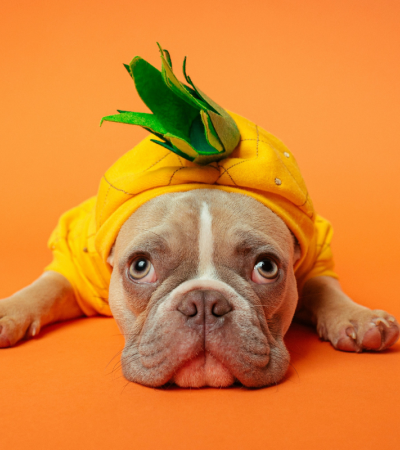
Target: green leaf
[168,58]
[227,131]
[198,139]
[210,133]
[187,121]
[133,118]
[182,145]
[225,127]
[194,89]
[128,69]
[172,112]
[176,86]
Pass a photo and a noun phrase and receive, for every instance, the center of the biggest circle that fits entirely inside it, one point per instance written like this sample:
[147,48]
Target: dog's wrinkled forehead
[205,228]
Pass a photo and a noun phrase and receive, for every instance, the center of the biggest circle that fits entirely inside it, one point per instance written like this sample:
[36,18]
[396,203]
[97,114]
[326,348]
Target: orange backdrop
[321,75]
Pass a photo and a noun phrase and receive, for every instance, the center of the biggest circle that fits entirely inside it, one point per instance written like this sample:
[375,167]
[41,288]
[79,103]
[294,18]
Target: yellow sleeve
[75,257]
[319,258]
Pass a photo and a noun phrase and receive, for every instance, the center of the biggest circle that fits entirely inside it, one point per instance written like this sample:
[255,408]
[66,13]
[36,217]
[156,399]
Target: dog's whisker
[118,353]
[294,368]
[124,387]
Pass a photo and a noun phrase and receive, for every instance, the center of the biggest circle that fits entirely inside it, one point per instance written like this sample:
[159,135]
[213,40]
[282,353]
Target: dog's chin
[204,370]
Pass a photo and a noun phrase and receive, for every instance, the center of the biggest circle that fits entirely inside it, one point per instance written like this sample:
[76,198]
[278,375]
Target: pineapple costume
[199,146]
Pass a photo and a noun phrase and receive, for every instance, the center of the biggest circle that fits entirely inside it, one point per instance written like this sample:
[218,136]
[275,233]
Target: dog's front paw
[16,321]
[360,329]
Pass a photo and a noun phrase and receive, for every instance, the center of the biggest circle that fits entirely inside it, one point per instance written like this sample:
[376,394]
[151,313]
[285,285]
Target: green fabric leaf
[194,89]
[210,133]
[176,86]
[128,69]
[160,136]
[224,125]
[172,112]
[208,159]
[227,131]
[173,149]
[142,119]
[182,145]
[198,139]
[168,57]
[187,121]
[163,144]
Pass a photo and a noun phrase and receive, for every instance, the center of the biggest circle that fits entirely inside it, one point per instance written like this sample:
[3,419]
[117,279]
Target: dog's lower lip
[203,370]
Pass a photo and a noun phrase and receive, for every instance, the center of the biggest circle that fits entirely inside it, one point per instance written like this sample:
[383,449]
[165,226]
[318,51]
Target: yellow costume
[260,167]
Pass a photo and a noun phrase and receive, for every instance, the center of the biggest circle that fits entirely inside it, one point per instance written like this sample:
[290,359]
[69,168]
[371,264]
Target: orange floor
[323,76]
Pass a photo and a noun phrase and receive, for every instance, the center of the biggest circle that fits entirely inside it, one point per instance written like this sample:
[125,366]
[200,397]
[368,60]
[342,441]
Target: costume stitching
[276,151]
[241,162]
[230,176]
[117,189]
[172,176]
[210,165]
[252,139]
[157,162]
[221,173]
[305,201]
[237,164]
[265,142]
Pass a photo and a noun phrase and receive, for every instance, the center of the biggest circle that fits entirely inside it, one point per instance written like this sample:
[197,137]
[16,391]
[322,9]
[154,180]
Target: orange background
[321,75]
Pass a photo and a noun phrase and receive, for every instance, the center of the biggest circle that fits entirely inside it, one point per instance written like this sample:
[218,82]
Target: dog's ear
[110,258]
[296,248]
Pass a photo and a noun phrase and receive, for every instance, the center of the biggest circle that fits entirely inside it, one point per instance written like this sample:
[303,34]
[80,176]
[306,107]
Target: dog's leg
[47,300]
[347,325]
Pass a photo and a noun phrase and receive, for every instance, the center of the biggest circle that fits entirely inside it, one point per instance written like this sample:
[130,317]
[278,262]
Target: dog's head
[203,290]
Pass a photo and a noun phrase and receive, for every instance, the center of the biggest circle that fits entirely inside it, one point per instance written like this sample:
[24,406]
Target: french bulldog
[203,290]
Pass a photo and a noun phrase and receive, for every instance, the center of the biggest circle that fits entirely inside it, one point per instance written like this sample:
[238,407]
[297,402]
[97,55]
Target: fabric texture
[260,167]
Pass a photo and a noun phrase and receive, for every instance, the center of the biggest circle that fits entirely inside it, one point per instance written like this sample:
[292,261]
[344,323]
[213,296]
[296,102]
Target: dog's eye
[142,271]
[265,271]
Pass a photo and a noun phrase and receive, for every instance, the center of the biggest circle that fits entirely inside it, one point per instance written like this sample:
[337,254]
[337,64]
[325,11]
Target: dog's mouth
[203,370]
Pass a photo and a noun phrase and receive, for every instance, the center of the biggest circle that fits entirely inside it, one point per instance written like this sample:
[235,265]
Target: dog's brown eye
[266,271]
[267,268]
[140,268]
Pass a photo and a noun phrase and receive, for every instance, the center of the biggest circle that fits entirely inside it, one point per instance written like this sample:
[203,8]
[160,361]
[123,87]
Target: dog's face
[203,290]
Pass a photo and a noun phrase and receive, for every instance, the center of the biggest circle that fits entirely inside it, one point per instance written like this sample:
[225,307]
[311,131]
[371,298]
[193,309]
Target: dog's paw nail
[33,330]
[351,333]
[321,332]
[381,320]
[391,319]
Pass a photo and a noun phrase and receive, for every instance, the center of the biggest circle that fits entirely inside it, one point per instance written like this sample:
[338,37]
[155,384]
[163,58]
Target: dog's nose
[204,305]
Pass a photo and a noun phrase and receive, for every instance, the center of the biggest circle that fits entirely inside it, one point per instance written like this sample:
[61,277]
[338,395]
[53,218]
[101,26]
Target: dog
[202,258]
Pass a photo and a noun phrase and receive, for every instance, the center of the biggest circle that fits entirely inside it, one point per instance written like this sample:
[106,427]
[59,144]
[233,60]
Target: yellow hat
[260,166]
[201,146]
